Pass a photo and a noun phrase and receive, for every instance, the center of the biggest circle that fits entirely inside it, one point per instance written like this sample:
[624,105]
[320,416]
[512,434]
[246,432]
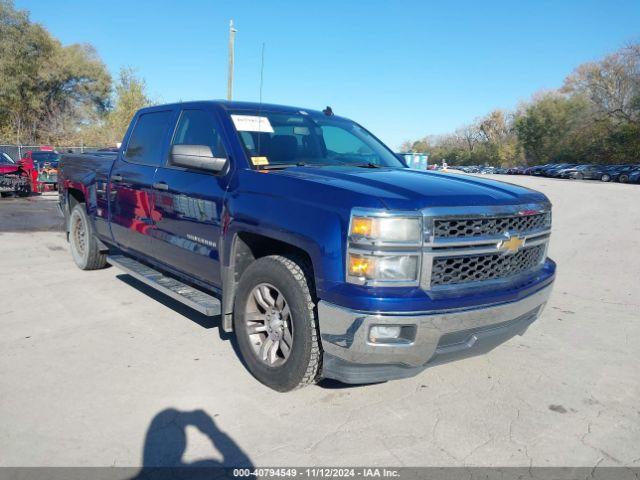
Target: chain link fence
[16,152]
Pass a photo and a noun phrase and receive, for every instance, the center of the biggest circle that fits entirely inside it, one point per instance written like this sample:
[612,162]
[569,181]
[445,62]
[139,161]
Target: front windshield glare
[273,139]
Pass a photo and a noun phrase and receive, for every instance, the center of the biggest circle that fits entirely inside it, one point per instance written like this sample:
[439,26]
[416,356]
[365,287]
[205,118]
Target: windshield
[284,139]
[6,159]
[42,157]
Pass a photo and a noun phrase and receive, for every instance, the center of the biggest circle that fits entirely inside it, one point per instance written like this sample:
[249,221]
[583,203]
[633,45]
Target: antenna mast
[261,72]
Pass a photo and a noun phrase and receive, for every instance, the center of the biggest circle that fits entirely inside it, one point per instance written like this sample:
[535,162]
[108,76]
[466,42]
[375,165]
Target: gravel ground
[97,370]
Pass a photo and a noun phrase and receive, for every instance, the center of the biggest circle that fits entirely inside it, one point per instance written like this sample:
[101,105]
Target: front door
[189,203]
[131,189]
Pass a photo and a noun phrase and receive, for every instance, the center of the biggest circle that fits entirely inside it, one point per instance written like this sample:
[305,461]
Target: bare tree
[612,84]
[470,134]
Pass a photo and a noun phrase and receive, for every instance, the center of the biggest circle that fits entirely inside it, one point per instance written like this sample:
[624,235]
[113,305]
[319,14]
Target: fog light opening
[392,334]
[384,332]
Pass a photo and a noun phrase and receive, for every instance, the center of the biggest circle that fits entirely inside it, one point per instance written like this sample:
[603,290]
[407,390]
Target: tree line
[593,118]
[59,95]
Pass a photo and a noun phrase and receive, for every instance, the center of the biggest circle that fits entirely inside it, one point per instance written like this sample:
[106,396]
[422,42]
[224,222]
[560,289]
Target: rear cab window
[147,139]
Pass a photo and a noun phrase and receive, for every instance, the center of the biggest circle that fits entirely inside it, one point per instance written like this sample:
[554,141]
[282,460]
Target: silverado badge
[510,244]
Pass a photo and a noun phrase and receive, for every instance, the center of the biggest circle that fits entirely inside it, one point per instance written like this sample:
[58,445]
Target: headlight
[382,268]
[396,230]
[384,248]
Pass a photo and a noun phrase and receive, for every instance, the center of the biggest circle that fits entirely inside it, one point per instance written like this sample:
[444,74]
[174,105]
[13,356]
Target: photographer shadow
[166,443]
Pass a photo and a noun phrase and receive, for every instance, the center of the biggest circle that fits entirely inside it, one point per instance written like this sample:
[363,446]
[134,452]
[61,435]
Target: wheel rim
[79,235]
[269,325]
[605,178]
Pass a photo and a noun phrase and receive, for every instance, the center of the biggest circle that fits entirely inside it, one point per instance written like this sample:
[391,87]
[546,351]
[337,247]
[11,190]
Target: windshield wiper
[275,166]
[364,165]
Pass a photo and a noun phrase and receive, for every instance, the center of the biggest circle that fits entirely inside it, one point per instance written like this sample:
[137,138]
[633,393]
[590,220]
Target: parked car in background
[537,170]
[46,163]
[590,172]
[620,173]
[566,172]
[634,176]
[556,172]
[19,178]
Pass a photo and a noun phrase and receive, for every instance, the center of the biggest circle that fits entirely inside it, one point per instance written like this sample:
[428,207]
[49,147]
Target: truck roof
[237,105]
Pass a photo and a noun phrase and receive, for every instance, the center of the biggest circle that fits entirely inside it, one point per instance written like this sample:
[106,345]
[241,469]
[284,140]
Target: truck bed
[81,167]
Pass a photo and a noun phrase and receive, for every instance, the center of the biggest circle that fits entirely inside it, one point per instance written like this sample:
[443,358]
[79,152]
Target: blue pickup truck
[311,240]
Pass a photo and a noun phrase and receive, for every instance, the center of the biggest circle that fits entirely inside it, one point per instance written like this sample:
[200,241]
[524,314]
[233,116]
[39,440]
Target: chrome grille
[488,226]
[480,247]
[476,268]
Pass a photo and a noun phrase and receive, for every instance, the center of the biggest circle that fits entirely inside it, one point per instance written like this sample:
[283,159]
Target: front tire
[84,245]
[275,323]
[624,178]
[605,178]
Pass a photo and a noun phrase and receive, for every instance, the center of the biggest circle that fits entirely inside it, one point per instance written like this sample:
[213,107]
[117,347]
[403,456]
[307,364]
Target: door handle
[116,178]
[161,186]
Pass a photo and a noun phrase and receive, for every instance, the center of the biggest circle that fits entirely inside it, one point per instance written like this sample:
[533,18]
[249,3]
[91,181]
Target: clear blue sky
[402,68]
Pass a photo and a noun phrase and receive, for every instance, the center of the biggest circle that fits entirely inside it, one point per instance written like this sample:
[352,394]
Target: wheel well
[74,196]
[251,246]
[247,248]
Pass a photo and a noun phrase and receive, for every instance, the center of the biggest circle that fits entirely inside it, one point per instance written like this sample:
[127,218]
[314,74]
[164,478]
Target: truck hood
[408,189]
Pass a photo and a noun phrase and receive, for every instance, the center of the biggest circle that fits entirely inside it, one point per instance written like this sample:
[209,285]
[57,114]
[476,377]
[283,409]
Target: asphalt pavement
[98,370]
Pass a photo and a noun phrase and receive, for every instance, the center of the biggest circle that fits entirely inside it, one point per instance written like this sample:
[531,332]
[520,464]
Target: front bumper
[350,356]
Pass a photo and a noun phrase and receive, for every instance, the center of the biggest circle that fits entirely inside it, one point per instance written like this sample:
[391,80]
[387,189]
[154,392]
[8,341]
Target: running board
[183,293]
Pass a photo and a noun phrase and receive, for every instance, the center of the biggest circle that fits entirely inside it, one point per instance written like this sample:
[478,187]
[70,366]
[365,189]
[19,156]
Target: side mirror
[198,157]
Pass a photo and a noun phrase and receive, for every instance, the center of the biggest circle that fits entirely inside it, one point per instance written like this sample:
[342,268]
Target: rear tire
[606,177]
[82,240]
[624,178]
[288,286]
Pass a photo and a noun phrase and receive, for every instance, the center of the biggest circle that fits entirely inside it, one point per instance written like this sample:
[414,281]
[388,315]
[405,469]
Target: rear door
[189,202]
[131,200]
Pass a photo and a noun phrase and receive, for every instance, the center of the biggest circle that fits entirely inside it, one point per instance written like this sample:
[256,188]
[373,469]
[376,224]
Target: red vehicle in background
[19,178]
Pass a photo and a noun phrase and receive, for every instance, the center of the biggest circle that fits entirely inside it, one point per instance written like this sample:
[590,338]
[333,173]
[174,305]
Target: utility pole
[232,38]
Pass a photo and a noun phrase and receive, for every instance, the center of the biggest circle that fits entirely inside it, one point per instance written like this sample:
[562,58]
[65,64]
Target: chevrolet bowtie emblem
[510,244]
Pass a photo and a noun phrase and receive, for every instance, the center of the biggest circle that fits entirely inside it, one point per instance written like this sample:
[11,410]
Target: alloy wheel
[269,325]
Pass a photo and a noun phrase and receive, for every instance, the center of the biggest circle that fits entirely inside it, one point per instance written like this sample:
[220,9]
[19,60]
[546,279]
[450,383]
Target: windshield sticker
[250,123]
[257,161]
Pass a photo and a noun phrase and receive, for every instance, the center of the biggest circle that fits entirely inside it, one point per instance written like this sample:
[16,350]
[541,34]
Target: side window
[145,143]
[196,127]
[339,140]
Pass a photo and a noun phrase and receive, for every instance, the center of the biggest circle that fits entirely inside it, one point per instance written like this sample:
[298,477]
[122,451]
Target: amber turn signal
[362,226]
[360,266]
